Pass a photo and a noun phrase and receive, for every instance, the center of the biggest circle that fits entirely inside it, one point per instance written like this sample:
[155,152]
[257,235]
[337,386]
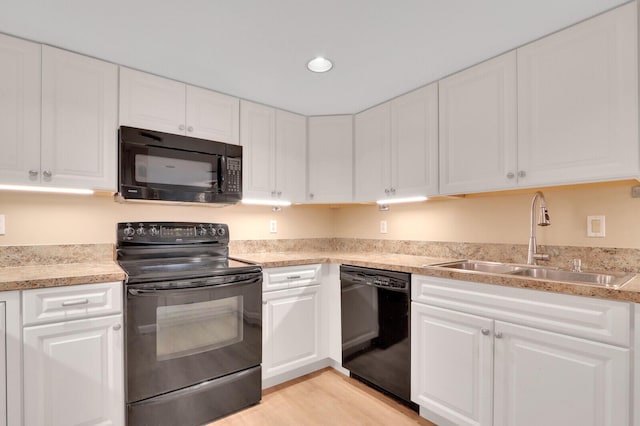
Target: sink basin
[481,266]
[601,279]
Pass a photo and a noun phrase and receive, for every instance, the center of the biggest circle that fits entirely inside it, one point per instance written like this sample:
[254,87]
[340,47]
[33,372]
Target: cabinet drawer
[72,302]
[291,276]
[590,318]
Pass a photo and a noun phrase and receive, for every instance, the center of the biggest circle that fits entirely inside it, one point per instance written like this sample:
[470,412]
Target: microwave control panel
[234,175]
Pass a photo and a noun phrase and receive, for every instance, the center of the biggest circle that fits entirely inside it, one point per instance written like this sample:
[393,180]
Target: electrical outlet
[2,224]
[273,226]
[595,226]
[383,226]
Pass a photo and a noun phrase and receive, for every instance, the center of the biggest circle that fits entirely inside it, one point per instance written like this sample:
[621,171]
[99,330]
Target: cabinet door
[79,120]
[578,102]
[291,329]
[544,378]
[151,102]
[414,143]
[330,159]
[19,111]
[478,128]
[452,364]
[372,146]
[258,136]
[212,115]
[3,364]
[291,155]
[636,366]
[73,373]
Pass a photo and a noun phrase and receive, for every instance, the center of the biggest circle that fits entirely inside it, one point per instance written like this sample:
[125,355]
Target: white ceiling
[257,49]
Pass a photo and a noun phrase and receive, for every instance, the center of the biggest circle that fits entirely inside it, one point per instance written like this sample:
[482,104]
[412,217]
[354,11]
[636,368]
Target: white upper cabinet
[414,143]
[578,102]
[396,147]
[156,103]
[274,144]
[291,155]
[79,120]
[372,145]
[58,117]
[19,110]
[330,159]
[478,127]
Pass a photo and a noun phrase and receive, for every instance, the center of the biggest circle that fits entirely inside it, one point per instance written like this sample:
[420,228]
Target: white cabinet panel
[151,102]
[291,155]
[452,364]
[414,143]
[291,276]
[543,378]
[274,144]
[478,127]
[291,329]
[636,366]
[79,120]
[372,145]
[258,138]
[212,115]
[74,373]
[330,159]
[19,110]
[10,359]
[578,102]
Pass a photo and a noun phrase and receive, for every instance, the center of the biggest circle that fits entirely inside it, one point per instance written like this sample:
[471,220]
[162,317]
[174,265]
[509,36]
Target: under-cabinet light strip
[260,202]
[402,200]
[50,189]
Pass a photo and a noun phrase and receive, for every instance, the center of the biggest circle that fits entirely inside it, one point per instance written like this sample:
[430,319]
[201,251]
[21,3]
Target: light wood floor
[325,397]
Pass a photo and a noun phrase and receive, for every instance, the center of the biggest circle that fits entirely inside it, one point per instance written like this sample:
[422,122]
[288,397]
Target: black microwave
[166,167]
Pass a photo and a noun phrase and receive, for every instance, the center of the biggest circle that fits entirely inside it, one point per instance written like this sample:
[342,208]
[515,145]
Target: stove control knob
[129,231]
[221,232]
[212,232]
[141,231]
[202,231]
[154,231]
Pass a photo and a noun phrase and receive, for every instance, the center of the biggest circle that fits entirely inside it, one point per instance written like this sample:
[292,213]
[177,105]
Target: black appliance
[193,324]
[376,346]
[166,167]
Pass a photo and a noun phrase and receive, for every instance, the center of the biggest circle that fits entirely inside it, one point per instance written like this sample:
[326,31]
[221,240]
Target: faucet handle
[576,265]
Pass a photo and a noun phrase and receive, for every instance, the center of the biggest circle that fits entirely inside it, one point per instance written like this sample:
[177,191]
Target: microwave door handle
[222,170]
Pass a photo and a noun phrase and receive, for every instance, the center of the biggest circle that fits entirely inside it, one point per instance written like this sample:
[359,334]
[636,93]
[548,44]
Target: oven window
[173,171]
[189,329]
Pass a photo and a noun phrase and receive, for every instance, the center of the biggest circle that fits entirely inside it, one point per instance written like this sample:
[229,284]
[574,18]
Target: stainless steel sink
[613,280]
[482,266]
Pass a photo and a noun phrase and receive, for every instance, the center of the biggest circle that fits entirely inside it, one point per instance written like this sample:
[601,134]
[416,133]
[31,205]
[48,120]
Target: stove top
[169,251]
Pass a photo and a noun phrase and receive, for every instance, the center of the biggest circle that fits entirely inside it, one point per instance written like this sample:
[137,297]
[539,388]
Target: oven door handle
[199,285]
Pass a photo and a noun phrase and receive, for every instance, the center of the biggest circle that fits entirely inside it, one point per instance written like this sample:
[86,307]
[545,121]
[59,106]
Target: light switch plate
[1,224]
[595,226]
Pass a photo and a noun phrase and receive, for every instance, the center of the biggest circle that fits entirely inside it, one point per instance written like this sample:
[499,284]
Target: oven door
[178,337]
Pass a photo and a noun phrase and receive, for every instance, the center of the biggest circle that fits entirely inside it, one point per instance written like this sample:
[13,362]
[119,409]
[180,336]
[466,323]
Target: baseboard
[294,374]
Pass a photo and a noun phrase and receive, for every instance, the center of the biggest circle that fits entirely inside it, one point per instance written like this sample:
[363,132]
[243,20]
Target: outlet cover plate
[595,226]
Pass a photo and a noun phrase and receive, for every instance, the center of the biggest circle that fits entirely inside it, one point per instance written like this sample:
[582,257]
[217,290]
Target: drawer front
[291,276]
[72,302]
[590,318]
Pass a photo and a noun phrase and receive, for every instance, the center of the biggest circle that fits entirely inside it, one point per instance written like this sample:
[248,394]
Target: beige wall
[491,218]
[73,219]
[504,218]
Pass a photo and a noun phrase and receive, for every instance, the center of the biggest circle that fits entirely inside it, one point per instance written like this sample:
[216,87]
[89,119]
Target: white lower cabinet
[294,329]
[636,363]
[73,370]
[472,369]
[10,365]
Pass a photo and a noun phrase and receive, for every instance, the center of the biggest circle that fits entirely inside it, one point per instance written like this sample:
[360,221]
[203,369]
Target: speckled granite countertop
[100,270]
[38,276]
[630,292]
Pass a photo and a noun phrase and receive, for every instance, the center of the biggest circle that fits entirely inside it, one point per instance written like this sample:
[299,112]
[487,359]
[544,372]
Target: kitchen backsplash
[593,258]
[55,254]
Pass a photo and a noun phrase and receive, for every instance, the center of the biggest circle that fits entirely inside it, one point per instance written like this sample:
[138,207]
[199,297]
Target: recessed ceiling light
[319,64]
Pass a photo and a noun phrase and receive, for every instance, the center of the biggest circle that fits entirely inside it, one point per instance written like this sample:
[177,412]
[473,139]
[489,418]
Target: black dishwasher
[376,346]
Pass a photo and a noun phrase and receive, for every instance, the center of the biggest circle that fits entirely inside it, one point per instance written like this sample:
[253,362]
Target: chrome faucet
[532,254]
